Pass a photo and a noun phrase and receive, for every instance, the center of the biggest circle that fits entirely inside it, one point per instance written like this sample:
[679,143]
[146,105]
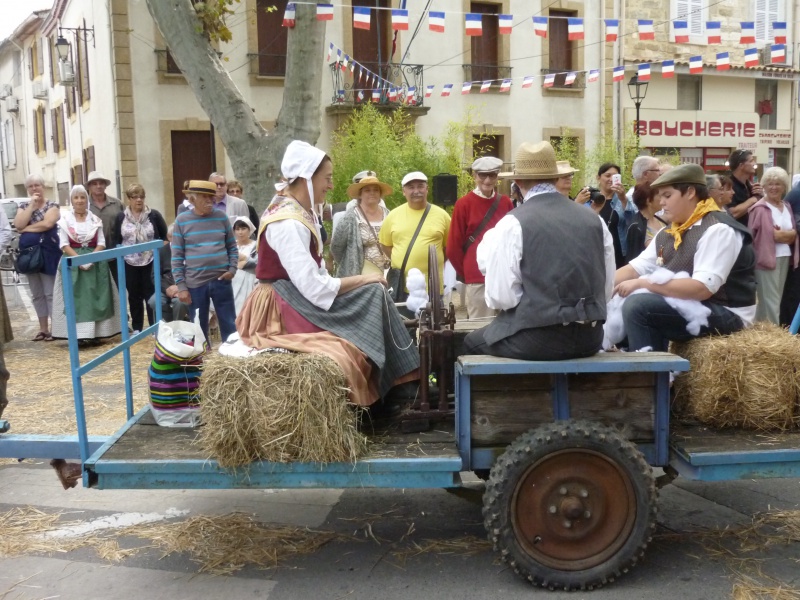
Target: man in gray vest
[549,267]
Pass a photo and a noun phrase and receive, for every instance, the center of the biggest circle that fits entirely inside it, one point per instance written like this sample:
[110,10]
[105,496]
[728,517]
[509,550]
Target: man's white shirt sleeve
[499,255]
[609,259]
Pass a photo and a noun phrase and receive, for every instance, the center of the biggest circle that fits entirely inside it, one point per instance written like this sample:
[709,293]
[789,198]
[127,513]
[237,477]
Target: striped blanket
[173,387]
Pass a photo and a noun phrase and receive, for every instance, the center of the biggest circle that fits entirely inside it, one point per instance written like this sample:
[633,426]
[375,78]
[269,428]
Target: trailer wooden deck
[144,454]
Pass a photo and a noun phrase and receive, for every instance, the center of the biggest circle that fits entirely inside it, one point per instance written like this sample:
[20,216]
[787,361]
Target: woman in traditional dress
[245,279]
[137,224]
[96,301]
[297,305]
[772,223]
[355,244]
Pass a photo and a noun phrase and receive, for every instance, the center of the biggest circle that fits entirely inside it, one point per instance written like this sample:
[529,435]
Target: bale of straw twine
[749,379]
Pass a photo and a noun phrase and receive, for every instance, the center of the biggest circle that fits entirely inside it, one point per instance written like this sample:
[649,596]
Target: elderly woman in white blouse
[95,296]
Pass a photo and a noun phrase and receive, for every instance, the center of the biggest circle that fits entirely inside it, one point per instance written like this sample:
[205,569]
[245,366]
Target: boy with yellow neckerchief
[707,243]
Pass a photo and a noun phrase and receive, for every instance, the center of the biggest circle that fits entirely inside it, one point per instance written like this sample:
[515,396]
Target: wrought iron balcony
[350,89]
[493,73]
[560,80]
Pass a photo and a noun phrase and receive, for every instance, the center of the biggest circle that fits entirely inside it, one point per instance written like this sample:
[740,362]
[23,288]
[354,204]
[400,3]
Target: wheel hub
[573,509]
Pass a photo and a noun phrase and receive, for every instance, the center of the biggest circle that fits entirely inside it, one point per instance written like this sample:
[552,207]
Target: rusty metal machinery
[436,354]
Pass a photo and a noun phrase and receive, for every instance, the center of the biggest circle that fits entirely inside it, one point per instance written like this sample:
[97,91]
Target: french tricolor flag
[570,78]
[400,19]
[436,21]
[574,29]
[473,24]
[505,86]
[646,31]
[643,72]
[612,30]
[360,96]
[681,31]
[723,61]
[429,90]
[779,32]
[540,26]
[549,80]
[410,95]
[505,23]
[446,89]
[376,95]
[777,53]
[466,87]
[330,51]
[393,95]
[594,75]
[667,69]
[751,57]
[361,17]
[527,81]
[345,62]
[289,16]
[714,31]
[324,12]
[619,73]
[695,64]
[485,86]
[748,33]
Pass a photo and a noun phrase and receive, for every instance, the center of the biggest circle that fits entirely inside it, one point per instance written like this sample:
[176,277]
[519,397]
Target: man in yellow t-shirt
[400,224]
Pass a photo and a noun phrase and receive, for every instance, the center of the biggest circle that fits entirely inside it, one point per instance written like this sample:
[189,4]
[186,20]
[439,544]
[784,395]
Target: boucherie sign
[689,128]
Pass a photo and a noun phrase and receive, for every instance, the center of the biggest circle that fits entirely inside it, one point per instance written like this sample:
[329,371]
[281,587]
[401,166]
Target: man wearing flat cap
[475,214]
[549,267]
[410,228]
[705,242]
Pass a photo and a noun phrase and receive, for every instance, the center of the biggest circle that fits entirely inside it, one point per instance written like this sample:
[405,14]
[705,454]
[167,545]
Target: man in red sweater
[474,215]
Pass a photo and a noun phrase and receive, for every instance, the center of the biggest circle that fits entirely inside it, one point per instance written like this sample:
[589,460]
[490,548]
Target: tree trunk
[255,153]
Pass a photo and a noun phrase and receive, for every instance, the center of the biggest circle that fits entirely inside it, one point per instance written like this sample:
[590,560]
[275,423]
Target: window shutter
[35,133]
[31,54]
[54,129]
[63,135]
[90,164]
[40,56]
[11,143]
[762,20]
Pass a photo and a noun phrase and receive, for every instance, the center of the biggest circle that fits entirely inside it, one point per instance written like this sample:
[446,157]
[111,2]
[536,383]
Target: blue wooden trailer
[567,448]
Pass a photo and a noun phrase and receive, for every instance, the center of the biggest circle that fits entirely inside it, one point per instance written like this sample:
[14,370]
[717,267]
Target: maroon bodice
[269,265]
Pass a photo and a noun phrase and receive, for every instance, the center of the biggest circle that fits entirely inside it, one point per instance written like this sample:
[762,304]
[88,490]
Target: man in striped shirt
[204,258]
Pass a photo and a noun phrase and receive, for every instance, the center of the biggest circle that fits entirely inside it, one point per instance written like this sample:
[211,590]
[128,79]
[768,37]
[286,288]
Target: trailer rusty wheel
[570,505]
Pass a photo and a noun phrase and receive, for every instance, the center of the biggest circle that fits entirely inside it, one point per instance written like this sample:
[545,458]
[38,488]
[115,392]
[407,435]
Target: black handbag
[30,259]
[396,278]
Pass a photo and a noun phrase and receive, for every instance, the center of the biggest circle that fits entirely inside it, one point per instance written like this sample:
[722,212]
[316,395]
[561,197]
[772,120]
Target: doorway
[191,159]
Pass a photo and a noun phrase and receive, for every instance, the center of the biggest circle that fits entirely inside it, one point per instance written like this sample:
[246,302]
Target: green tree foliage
[389,145]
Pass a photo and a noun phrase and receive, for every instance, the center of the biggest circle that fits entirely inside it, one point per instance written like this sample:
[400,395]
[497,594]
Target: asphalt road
[403,544]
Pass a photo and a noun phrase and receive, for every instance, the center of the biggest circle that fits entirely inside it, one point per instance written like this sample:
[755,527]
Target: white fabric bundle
[695,313]
[417,291]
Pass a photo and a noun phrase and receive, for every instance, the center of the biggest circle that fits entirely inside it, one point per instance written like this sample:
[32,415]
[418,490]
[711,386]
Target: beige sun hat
[96,176]
[354,189]
[535,161]
[564,168]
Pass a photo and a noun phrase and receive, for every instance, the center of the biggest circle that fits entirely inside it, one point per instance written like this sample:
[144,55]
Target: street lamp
[637,90]
[62,48]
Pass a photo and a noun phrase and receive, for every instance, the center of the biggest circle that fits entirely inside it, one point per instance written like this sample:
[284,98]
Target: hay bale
[279,408]
[749,379]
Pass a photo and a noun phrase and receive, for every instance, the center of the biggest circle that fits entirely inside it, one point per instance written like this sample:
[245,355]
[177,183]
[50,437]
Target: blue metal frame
[726,466]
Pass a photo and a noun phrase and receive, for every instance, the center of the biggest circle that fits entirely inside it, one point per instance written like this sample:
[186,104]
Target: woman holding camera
[606,202]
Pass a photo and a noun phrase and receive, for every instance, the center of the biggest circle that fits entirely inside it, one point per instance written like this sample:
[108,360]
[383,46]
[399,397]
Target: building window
[33,57]
[53,58]
[485,48]
[77,175]
[172,66]
[690,92]
[766,12]
[487,145]
[82,74]
[372,47]
[272,37]
[39,146]
[559,46]
[767,103]
[88,160]
[695,13]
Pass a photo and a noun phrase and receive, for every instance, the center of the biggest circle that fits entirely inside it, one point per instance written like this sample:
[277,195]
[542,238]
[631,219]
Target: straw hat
[535,161]
[354,190]
[564,168]
[199,186]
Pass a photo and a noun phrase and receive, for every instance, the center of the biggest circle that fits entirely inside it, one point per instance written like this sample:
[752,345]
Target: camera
[596,196]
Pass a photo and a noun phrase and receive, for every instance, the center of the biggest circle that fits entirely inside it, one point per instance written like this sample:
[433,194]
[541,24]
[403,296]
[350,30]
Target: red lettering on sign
[656,128]
[700,128]
[687,128]
[729,129]
[714,129]
[749,130]
[671,130]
